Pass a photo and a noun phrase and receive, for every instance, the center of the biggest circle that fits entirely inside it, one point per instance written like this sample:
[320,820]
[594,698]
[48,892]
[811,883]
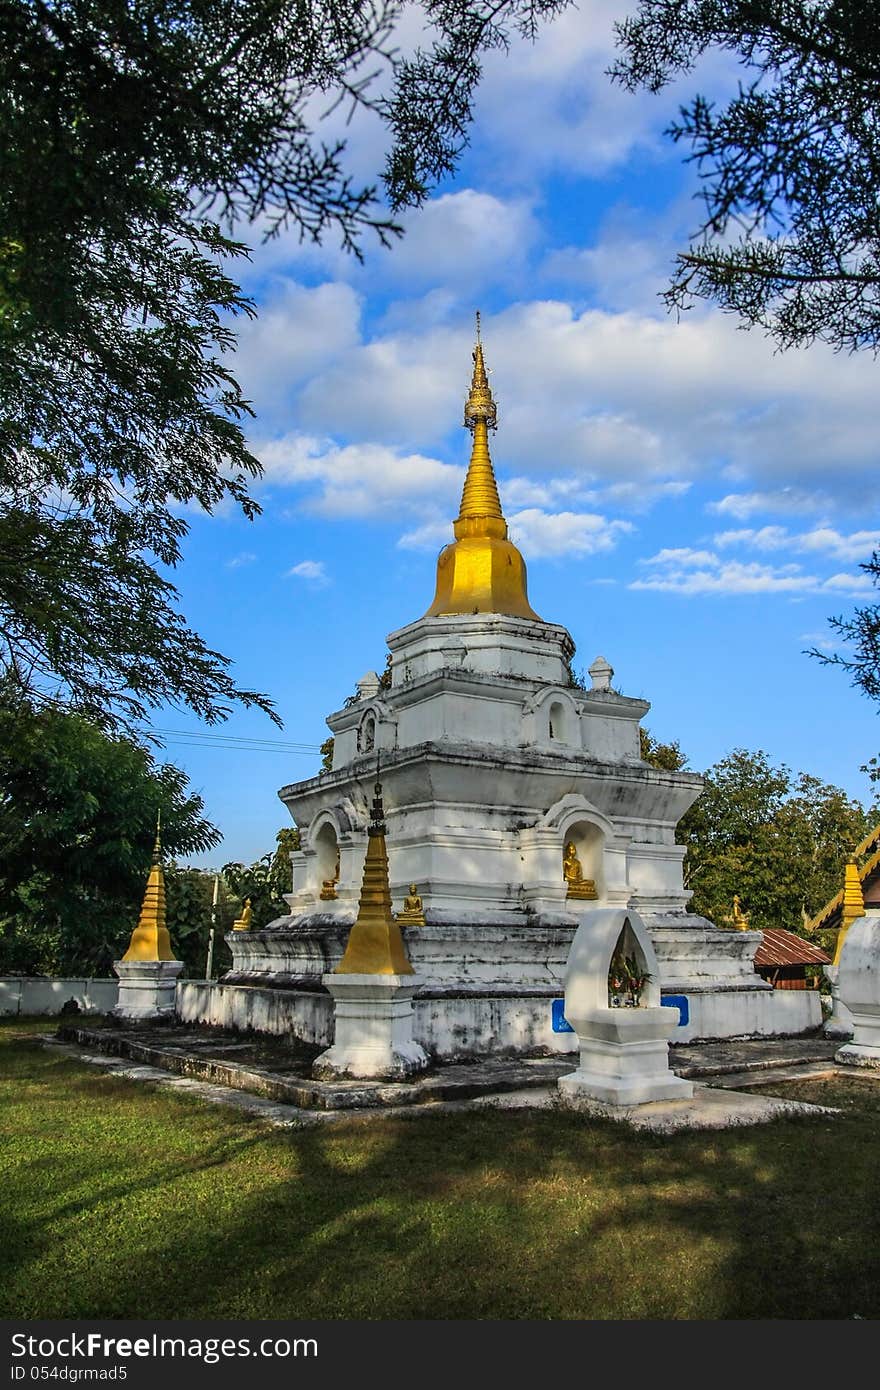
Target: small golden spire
[853,905]
[150,939]
[375,945]
[482,571]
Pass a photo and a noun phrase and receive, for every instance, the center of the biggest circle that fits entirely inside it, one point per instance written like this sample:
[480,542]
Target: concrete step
[164,1048]
[275,1072]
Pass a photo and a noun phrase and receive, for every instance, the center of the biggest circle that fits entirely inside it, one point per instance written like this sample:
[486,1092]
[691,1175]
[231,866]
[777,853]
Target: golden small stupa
[853,905]
[481,571]
[375,945]
[150,940]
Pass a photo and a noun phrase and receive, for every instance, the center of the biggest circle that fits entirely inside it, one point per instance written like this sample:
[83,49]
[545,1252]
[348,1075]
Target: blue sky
[691,504]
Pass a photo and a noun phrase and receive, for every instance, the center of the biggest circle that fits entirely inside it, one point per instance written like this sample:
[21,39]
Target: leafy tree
[666,756]
[189,896]
[265,881]
[779,842]
[133,136]
[77,823]
[861,633]
[790,161]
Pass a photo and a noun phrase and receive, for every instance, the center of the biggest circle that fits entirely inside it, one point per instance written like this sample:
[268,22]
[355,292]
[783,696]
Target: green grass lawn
[122,1199]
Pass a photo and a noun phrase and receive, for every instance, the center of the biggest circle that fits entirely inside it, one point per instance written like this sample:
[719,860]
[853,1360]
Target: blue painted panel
[560,1022]
[680,1002]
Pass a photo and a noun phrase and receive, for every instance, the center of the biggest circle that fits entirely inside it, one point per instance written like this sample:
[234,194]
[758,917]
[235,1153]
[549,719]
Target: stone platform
[272,1080]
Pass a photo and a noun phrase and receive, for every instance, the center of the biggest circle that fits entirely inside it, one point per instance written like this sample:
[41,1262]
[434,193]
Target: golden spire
[853,905]
[150,939]
[375,945]
[481,571]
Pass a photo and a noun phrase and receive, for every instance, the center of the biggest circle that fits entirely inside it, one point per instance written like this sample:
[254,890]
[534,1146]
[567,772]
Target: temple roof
[786,948]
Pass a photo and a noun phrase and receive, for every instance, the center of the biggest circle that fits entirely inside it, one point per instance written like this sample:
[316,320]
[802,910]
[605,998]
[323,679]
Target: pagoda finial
[480,404]
[482,572]
[157,843]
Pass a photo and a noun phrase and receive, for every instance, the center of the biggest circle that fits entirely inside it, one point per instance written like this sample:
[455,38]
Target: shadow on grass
[125,1199]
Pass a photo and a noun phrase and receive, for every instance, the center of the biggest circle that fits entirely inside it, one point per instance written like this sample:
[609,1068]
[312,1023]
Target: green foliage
[132,138]
[860,636]
[790,162]
[668,757]
[265,881]
[189,895]
[327,754]
[626,976]
[780,842]
[77,823]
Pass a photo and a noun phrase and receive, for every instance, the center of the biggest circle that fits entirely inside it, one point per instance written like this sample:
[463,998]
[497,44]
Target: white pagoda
[516,803]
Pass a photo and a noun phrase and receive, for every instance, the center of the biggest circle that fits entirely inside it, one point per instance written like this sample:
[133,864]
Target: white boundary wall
[33,995]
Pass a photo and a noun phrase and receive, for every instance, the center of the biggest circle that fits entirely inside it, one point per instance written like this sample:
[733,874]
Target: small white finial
[601,673]
[368,685]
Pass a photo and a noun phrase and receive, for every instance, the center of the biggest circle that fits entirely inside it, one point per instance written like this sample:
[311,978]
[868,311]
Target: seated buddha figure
[739,919]
[578,886]
[243,923]
[413,913]
[328,891]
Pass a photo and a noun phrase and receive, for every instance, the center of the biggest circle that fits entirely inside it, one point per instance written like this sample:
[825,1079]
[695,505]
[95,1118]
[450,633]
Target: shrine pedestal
[374,1028]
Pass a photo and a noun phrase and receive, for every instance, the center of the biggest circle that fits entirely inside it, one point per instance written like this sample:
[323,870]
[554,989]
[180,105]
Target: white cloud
[550,106]
[822,540]
[299,332]
[313,571]
[611,399]
[543,535]
[465,241]
[539,534]
[786,500]
[360,479]
[682,556]
[701,572]
[244,557]
[827,641]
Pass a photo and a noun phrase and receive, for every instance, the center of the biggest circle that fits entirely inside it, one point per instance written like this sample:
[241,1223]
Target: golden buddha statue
[739,919]
[578,886]
[413,913]
[328,891]
[243,923]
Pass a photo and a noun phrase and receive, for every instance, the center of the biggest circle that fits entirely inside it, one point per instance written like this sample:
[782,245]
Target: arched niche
[552,717]
[376,729]
[366,734]
[630,972]
[557,725]
[575,820]
[324,843]
[595,944]
[588,840]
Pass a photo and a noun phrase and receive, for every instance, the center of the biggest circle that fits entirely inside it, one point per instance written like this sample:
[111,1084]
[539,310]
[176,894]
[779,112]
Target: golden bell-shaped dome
[481,571]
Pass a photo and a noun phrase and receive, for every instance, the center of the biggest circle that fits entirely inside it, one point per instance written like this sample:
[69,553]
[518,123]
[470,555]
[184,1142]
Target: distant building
[782,959]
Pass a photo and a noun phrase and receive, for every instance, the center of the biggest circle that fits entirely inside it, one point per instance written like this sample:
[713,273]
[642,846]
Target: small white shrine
[612,1001]
[518,809]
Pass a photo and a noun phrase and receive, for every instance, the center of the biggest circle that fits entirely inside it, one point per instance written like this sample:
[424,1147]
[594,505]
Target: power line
[192,738]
